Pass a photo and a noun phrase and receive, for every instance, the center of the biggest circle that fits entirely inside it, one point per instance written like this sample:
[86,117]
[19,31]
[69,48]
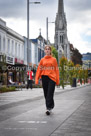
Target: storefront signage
[19,61]
[10,60]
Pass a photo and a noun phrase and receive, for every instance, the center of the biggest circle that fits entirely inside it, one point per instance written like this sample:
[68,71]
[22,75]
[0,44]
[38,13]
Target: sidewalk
[70,117]
[31,94]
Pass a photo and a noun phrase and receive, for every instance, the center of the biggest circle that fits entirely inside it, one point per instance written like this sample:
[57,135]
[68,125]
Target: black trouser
[29,84]
[48,87]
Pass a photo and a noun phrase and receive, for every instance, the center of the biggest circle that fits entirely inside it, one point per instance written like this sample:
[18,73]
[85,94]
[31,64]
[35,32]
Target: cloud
[78,16]
[13,8]
[88,33]
[78,5]
[18,9]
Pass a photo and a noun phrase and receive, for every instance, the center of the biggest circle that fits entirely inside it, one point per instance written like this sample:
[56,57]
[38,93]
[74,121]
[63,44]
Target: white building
[11,44]
[12,48]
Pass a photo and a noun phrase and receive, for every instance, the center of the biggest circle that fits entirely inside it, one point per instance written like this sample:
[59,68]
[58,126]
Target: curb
[70,89]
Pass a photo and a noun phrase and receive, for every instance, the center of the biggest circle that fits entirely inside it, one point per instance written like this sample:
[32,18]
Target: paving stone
[71,115]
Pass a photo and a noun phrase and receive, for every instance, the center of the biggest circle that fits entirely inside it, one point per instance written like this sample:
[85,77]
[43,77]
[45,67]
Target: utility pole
[47,28]
[28,27]
[27,30]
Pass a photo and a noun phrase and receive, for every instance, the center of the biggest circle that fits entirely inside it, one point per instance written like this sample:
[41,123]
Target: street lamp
[28,25]
[47,28]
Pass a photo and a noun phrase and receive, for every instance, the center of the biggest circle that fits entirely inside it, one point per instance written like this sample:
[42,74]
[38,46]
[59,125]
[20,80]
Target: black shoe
[48,112]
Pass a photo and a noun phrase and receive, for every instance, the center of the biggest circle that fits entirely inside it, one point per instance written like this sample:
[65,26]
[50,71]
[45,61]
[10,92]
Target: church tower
[61,39]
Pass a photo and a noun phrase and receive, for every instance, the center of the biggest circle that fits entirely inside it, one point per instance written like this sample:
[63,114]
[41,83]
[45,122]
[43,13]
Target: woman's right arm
[38,72]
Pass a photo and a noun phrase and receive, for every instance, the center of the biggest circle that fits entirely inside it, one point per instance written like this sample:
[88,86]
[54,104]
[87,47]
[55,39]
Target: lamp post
[47,28]
[28,25]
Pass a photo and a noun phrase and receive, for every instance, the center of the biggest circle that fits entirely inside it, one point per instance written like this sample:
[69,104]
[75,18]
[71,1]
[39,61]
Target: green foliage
[6,89]
[68,71]
[2,71]
[54,52]
[76,56]
[3,62]
[71,72]
[37,86]
[63,71]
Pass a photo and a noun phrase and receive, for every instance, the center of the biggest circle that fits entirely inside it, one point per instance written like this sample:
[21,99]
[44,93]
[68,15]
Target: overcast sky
[78,16]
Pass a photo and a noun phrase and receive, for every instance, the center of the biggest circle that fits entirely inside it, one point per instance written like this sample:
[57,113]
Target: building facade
[11,43]
[61,39]
[38,49]
[17,54]
[12,49]
[87,60]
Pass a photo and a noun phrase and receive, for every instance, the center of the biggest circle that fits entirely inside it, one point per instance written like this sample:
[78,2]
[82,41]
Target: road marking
[33,122]
[6,100]
[20,128]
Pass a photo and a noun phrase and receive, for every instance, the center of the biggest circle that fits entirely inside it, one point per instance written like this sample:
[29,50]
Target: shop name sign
[19,61]
[10,60]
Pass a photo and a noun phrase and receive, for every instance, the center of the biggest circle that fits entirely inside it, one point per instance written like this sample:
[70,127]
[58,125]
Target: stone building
[61,39]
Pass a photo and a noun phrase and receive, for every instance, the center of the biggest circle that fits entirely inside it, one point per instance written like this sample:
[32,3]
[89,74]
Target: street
[22,113]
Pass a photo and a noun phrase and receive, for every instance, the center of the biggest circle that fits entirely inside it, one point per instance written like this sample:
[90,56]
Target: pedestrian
[10,82]
[29,78]
[49,72]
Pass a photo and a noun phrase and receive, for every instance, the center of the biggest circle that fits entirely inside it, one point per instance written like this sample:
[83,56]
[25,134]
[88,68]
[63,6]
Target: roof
[34,40]
[86,56]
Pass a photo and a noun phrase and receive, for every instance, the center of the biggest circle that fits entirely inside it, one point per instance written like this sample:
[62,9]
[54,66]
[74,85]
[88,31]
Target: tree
[3,68]
[70,72]
[63,71]
[76,56]
[54,52]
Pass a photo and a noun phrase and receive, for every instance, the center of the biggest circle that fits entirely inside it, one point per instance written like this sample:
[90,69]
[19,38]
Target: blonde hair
[49,48]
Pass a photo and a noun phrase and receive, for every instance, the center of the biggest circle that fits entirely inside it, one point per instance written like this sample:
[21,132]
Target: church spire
[40,31]
[61,39]
[60,7]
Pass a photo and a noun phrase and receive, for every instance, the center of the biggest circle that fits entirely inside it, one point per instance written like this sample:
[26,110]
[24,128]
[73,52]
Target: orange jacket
[48,66]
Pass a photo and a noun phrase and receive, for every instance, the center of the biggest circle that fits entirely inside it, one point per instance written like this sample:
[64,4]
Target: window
[12,47]
[22,51]
[61,39]
[15,49]
[9,46]
[19,51]
[0,42]
[4,44]
[39,54]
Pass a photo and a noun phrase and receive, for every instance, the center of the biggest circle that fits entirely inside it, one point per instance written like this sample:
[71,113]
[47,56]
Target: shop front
[20,73]
[10,63]
[3,69]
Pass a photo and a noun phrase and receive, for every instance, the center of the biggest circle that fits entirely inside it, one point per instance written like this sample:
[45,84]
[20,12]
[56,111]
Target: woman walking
[48,71]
